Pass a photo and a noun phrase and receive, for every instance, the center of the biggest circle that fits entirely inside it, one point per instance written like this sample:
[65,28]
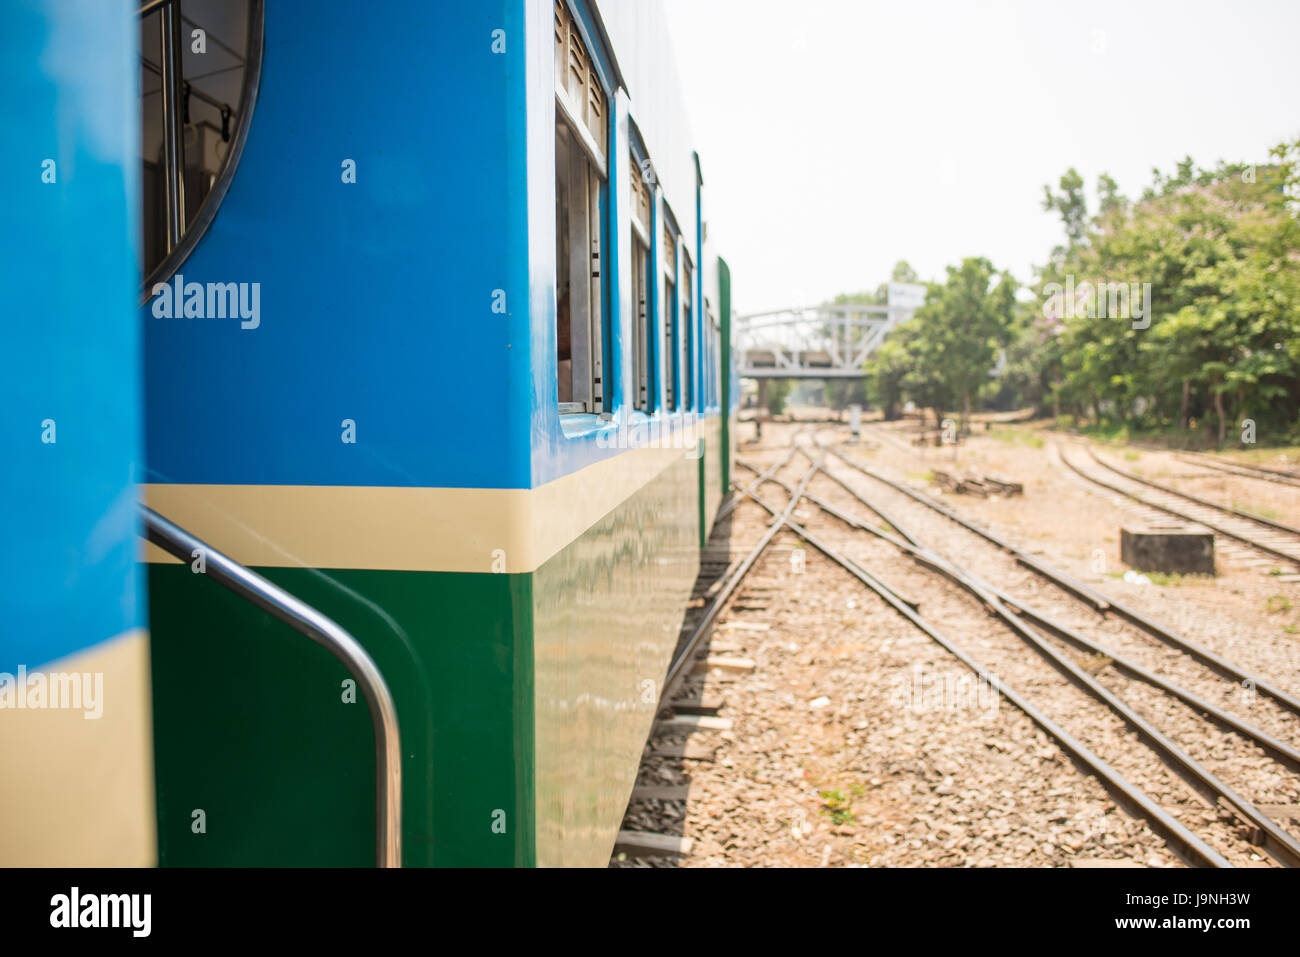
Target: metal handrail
[306,620]
[169,62]
[193,91]
[150,7]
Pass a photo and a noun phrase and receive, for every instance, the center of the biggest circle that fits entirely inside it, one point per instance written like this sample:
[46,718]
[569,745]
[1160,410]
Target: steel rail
[1077,588]
[1237,513]
[1287,754]
[1219,529]
[306,620]
[1090,595]
[742,493]
[677,666]
[1284,752]
[1283,846]
[1245,471]
[847,517]
[1191,847]
[1277,842]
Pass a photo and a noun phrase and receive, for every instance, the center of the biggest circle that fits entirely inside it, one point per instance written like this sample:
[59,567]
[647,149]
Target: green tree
[1216,248]
[926,382]
[1070,204]
[965,322]
[1030,370]
[886,369]
[1110,201]
[841,393]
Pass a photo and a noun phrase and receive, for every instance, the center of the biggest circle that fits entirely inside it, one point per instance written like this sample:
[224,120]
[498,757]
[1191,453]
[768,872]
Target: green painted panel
[728,387]
[250,725]
[528,694]
[702,490]
[608,609]
[713,472]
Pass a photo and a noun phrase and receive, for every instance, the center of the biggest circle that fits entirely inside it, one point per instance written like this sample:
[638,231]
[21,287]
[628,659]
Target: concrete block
[1172,551]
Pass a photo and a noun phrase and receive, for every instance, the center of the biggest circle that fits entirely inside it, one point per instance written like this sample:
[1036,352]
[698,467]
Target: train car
[434,358]
[76,775]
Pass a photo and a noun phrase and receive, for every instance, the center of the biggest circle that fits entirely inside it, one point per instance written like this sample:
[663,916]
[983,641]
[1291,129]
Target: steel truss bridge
[813,342]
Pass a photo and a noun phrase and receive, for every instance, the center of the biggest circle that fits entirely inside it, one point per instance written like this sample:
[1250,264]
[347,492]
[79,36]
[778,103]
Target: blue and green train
[422,325]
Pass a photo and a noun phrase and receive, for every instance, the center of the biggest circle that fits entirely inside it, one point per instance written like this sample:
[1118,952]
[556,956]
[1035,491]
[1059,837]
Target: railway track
[1128,794]
[1125,664]
[1224,812]
[908,543]
[1280,716]
[1279,843]
[1267,537]
[678,711]
[1277,476]
[1094,599]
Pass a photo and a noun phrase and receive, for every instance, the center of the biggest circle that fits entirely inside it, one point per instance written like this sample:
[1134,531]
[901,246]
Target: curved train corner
[442,353]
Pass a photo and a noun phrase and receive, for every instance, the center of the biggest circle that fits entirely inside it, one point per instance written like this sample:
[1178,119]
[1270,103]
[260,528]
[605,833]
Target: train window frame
[687,272]
[641,214]
[669,327]
[192,233]
[579,231]
[582,131]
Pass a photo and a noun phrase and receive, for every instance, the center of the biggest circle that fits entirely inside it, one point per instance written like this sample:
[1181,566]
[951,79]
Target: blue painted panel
[376,297]
[561,445]
[69,343]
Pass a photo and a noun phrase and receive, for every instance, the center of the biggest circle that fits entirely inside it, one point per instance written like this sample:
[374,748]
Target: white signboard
[906,295]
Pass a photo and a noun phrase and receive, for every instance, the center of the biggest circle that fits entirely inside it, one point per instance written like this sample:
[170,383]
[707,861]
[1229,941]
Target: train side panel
[364,444]
[385,443]
[609,601]
[74,700]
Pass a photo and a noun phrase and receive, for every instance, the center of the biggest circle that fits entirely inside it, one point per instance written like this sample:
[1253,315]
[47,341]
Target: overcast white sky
[838,136]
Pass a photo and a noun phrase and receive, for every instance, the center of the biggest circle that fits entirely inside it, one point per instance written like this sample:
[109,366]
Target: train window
[199,67]
[688,333]
[579,288]
[578,90]
[641,284]
[580,136]
[640,377]
[672,361]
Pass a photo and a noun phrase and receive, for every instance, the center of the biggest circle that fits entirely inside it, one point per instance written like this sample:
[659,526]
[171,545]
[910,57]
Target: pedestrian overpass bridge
[814,342]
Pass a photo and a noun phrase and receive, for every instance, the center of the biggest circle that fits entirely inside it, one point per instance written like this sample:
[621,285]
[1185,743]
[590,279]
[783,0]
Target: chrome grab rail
[151,6]
[169,62]
[306,620]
